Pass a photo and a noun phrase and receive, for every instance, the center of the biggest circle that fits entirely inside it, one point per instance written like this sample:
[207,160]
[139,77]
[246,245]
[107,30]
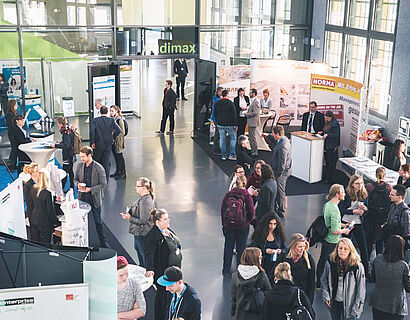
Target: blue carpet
[5,178]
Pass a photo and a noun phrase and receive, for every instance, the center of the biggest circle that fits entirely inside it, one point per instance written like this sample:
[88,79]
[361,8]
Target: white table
[260,142]
[307,156]
[38,152]
[367,169]
[138,273]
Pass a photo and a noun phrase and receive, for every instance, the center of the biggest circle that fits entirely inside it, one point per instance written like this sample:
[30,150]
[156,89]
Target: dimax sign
[176,47]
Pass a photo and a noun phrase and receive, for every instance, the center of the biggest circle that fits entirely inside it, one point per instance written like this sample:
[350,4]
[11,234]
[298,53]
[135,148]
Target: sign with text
[179,47]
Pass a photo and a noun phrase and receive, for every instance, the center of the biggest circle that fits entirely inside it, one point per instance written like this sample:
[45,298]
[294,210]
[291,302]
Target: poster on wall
[129,87]
[12,217]
[103,91]
[68,302]
[232,78]
[342,97]
[288,82]
[13,77]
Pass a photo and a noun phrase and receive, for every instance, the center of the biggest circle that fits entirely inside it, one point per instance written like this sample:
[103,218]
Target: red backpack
[234,212]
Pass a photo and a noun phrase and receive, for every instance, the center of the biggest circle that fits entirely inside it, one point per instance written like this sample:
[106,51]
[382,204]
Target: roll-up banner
[342,97]
[288,82]
[12,217]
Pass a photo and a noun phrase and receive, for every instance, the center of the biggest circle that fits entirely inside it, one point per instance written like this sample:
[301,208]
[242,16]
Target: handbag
[299,311]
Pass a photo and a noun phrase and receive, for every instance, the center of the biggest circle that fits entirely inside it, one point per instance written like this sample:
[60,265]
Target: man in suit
[18,136]
[91,181]
[281,165]
[168,108]
[252,116]
[181,72]
[313,121]
[103,132]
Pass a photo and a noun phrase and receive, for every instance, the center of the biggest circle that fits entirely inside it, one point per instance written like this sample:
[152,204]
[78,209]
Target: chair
[269,123]
[284,121]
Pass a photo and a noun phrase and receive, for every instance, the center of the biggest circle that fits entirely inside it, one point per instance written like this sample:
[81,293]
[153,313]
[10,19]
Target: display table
[367,169]
[76,235]
[138,273]
[39,152]
[307,156]
[261,143]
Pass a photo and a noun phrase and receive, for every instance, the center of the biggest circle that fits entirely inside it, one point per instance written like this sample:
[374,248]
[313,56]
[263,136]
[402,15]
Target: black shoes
[185,99]
[170,132]
[159,132]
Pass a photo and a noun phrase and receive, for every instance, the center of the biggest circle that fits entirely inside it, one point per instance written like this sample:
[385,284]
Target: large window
[359,43]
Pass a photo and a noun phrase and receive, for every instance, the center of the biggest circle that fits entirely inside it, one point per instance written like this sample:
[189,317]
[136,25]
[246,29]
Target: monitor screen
[403,124]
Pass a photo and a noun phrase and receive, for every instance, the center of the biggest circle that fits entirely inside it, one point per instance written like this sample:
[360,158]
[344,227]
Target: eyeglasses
[137,186]
[240,171]
[257,168]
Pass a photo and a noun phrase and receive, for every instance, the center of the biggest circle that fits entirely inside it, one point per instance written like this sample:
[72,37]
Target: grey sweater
[140,222]
[392,282]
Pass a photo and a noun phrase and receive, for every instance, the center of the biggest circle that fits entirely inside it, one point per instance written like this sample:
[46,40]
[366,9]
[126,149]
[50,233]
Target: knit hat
[121,262]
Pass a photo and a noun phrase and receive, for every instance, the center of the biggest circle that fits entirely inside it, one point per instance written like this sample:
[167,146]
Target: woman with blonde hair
[32,170]
[119,144]
[43,216]
[352,209]
[302,264]
[139,215]
[285,296]
[343,282]
[249,277]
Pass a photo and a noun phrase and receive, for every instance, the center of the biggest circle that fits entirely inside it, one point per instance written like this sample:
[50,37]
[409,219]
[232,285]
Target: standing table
[261,143]
[307,156]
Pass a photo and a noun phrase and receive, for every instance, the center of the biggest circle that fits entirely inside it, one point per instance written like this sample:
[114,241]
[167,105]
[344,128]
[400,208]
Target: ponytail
[150,185]
[380,174]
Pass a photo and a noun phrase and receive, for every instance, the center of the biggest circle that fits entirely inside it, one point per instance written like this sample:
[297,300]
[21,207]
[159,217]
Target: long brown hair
[359,196]
[250,257]
[117,109]
[331,115]
[380,174]
[10,106]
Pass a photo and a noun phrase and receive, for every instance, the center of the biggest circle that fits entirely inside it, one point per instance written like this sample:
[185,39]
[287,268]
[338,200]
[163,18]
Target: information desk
[260,142]
[138,273]
[307,156]
[367,169]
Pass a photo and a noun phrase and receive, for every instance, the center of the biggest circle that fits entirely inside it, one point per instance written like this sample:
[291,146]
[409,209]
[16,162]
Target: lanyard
[175,302]
[169,236]
[277,143]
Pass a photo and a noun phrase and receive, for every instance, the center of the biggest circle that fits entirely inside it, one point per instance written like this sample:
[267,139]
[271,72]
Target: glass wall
[359,41]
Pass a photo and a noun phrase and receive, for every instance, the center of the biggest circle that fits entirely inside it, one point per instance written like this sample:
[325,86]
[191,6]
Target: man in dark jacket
[182,300]
[243,154]
[281,165]
[181,72]
[227,123]
[168,108]
[103,132]
[313,121]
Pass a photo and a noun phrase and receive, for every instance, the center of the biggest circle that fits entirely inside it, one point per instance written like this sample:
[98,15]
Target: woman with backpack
[119,144]
[286,299]
[249,284]
[269,237]
[343,282]
[266,196]
[67,145]
[352,209]
[378,209]
[302,264]
[237,212]
[238,171]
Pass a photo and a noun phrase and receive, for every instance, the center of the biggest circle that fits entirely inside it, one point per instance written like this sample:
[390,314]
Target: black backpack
[298,311]
[254,297]
[234,213]
[125,127]
[317,231]
[379,202]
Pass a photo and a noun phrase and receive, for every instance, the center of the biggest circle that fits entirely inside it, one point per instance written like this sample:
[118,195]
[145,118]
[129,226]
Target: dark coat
[266,198]
[103,132]
[345,204]
[303,277]
[243,157]
[318,121]
[190,306]
[28,196]
[236,104]
[395,163]
[67,145]
[169,101]
[4,88]
[17,138]
[43,213]
[9,119]
[225,113]
[180,68]
[281,299]
[332,140]
[156,252]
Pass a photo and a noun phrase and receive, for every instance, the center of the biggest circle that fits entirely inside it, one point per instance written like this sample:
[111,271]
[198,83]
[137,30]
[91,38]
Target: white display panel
[104,89]
[62,302]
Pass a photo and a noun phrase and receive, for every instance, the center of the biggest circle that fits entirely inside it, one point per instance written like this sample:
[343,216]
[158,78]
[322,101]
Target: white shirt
[312,130]
[242,104]
[267,104]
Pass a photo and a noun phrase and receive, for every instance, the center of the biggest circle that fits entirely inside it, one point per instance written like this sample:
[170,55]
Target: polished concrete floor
[190,186]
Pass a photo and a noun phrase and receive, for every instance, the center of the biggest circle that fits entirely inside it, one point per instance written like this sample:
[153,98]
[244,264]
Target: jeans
[223,130]
[238,237]
[337,312]
[327,248]
[99,224]
[330,160]
[380,315]
[165,114]
[139,242]
[358,233]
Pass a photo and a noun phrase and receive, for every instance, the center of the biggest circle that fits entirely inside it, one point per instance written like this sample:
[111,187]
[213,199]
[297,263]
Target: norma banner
[62,302]
[232,78]
[288,82]
[12,215]
[342,97]
[104,90]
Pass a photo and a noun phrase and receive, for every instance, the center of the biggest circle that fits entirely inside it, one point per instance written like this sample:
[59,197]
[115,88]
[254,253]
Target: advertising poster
[288,82]
[232,78]
[129,87]
[12,217]
[104,89]
[63,302]
[12,75]
[342,97]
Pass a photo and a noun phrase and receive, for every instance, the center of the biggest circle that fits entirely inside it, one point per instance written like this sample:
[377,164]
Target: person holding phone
[139,215]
